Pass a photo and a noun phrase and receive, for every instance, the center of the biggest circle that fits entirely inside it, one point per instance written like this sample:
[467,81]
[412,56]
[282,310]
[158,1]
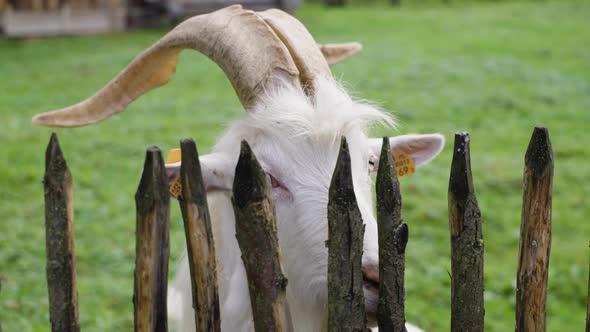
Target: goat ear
[217,170]
[421,147]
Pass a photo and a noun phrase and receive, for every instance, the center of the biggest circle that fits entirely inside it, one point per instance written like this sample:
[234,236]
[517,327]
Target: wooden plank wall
[50,5]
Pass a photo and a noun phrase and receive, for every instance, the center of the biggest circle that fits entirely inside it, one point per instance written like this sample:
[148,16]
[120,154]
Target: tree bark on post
[152,246]
[346,302]
[535,234]
[256,232]
[467,248]
[199,240]
[59,241]
[393,238]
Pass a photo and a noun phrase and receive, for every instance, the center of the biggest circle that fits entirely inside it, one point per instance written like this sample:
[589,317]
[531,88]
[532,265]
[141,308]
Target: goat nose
[371,273]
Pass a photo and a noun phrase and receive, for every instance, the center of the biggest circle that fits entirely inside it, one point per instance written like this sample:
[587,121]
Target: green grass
[493,69]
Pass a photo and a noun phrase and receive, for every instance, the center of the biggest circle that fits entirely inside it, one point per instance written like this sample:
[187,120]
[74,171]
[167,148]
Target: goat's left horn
[239,41]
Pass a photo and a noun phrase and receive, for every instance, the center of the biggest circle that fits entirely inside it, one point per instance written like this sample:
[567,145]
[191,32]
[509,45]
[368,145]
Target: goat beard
[371,293]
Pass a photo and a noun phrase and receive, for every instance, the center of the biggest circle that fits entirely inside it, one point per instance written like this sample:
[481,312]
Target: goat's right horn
[335,53]
[239,41]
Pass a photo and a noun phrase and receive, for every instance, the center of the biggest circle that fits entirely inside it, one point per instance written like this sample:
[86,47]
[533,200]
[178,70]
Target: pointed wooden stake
[467,249]
[151,261]
[535,234]
[256,232]
[199,240]
[346,302]
[59,241]
[393,237]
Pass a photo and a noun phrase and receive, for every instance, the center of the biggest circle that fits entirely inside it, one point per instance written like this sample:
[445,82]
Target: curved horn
[305,52]
[232,37]
[335,53]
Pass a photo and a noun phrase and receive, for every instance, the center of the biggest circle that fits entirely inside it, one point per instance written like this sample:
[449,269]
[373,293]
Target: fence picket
[59,241]
[535,234]
[467,247]
[199,240]
[152,246]
[255,219]
[346,302]
[393,237]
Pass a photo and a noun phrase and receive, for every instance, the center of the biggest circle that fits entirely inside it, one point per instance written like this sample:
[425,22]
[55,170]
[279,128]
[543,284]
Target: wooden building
[39,18]
[36,18]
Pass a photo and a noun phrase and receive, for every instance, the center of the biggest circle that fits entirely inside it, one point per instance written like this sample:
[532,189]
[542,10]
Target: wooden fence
[255,218]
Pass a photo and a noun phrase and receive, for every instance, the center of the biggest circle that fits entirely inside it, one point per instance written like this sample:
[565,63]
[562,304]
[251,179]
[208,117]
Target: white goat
[296,114]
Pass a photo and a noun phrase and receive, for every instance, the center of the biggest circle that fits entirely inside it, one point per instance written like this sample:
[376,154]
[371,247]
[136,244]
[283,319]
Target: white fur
[296,141]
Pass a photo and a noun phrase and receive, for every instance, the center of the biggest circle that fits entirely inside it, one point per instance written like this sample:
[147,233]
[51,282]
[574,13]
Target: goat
[295,115]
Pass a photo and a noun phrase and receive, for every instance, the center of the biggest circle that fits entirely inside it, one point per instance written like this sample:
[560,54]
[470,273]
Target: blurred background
[493,68]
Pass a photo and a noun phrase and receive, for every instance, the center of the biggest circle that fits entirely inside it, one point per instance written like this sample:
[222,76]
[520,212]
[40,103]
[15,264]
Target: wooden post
[151,262]
[535,234]
[393,237]
[59,240]
[199,240]
[256,232]
[346,303]
[467,249]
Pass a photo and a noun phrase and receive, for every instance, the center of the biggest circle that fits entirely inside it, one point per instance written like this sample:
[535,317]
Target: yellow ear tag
[404,164]
[174,156]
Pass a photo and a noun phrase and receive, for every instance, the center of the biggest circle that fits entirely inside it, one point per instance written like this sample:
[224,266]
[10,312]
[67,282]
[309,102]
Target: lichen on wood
[59,241]
[152,246]
[256,232]
[535,234]
[467,247]
[393,237]
[199,240]
[346,303]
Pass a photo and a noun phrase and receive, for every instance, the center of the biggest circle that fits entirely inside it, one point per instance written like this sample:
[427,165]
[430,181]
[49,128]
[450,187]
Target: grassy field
[495,70]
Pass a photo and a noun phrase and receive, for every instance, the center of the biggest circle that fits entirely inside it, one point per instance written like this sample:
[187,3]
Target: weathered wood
[393,237]
[152,245]
[37,5]
[467,247]
[346,303]
[59,241]
[256,232]
[199,240]
[535,234]
[52,4]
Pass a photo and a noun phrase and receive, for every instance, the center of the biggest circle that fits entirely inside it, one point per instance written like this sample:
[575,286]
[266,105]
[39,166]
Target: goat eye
[274,182]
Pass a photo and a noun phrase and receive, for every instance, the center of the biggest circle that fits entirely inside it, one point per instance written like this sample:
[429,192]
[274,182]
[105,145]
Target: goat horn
[335,53]
[232,37]
[305,52]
